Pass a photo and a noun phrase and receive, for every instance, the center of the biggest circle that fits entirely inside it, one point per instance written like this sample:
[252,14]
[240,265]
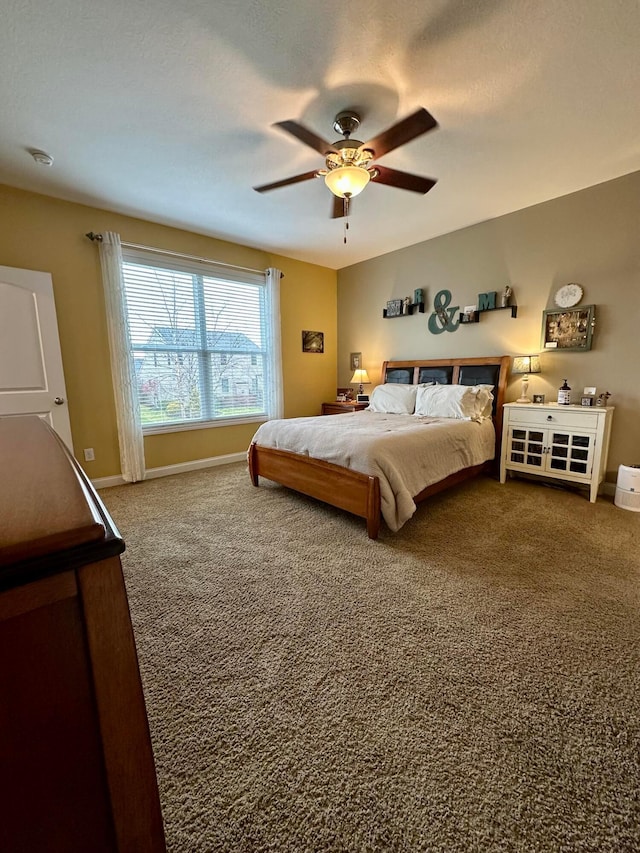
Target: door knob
[59,401]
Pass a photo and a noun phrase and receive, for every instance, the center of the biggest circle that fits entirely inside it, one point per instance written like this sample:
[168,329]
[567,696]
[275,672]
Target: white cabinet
[565,442]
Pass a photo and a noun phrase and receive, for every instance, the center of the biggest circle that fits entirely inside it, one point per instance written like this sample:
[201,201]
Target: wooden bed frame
[360,493]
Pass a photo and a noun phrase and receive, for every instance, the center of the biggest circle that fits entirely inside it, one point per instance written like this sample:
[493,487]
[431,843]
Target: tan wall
[591,237]
[42,233]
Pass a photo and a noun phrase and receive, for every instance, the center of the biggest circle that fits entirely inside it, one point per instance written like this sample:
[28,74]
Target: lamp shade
[361,377]
[347,180]
[526,364]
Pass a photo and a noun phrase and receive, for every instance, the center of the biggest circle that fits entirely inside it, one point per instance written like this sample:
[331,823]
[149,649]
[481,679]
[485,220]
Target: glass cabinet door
[570,453]
[526,446]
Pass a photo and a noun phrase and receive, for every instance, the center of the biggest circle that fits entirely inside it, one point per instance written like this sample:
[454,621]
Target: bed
[290,451]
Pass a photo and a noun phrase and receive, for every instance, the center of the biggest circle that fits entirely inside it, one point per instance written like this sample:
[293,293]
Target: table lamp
[525,364]
[362,378]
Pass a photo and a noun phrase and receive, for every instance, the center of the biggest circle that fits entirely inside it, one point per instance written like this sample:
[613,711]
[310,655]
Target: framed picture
[313,342]
[587,400]
[568,330]
[355,361]
[538,398]
[394,308]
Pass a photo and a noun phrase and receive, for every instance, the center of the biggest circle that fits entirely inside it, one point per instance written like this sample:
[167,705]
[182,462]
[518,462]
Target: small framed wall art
[355,361]
[313,342]
[395,308]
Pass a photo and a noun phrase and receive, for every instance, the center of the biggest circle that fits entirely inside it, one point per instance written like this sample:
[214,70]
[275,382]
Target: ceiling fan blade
[286,181]
[307,136]
[337,211]
[403,180]
[398,134]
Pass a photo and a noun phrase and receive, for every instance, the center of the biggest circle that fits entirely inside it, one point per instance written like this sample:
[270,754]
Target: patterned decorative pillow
[485,393]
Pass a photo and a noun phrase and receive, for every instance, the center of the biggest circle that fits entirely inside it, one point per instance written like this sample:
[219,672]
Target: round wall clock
[568,295]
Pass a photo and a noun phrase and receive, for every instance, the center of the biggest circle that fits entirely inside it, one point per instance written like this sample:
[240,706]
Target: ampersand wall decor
[442,318]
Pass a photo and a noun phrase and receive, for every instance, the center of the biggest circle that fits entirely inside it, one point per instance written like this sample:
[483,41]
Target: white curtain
[275,397]
[122,366]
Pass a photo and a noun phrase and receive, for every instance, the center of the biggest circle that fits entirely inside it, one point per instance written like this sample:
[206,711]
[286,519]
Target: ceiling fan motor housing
[346,122]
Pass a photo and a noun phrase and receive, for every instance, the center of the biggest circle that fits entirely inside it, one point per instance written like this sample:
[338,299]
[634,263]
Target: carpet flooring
[470,683]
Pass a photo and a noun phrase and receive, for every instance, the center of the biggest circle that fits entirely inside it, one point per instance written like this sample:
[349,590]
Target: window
[198,337]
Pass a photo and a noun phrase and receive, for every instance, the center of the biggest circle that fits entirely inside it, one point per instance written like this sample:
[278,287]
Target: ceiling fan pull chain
[346,216]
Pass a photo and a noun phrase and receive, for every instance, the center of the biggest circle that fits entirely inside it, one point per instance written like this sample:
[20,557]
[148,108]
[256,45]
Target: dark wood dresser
[76,767]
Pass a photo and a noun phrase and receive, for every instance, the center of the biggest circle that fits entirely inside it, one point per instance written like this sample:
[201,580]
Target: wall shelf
[412,307]
[476,314]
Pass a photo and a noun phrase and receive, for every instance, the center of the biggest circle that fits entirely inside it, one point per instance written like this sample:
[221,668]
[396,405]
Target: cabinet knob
[549,417]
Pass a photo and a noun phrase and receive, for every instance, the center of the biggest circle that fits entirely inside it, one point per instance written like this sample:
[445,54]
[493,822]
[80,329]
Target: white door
[31,376]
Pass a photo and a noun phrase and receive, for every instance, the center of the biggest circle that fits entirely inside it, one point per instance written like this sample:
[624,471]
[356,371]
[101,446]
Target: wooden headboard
[486,370]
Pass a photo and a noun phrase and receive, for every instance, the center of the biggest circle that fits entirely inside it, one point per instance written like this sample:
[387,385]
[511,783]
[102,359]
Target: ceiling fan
[349,162]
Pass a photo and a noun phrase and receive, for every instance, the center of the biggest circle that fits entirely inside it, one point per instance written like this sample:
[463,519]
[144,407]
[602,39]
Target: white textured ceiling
[163,109]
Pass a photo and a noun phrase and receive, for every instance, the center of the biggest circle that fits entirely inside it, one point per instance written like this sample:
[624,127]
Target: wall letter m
[487,301]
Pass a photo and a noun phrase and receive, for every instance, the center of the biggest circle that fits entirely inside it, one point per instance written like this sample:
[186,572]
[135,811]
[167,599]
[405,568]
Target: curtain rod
[98,238]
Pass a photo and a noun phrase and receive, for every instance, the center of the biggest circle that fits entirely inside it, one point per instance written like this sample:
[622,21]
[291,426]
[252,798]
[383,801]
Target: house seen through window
[198,342]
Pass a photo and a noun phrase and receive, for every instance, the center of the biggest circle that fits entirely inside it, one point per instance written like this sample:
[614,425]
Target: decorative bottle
[564,395]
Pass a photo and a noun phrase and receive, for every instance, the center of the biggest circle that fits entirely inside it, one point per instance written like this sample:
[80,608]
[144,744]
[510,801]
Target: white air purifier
[628,488]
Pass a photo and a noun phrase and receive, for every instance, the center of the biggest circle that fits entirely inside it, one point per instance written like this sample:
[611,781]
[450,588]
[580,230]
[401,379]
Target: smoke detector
[41,157]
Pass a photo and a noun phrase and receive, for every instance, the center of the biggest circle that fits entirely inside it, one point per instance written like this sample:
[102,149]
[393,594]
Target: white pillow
[468,402]
[392,398]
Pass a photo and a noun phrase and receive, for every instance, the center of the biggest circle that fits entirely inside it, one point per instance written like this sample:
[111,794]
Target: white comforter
[407,453]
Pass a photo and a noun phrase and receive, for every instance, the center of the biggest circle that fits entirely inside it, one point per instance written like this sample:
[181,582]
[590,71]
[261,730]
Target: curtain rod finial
[93,236]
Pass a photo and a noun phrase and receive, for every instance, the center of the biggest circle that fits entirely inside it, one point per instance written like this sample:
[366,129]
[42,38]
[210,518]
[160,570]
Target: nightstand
[339,408]
[564,442]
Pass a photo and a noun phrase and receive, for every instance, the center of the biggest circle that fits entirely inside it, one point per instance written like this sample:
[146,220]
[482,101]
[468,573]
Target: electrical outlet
[89,455]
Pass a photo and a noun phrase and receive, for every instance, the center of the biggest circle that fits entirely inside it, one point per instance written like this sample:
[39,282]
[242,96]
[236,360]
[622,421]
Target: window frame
[200,270]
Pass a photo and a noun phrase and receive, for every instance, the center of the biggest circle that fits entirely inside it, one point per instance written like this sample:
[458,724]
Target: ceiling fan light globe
[347,180]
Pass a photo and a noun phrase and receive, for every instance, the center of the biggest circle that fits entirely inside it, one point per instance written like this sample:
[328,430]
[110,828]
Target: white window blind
[198,337]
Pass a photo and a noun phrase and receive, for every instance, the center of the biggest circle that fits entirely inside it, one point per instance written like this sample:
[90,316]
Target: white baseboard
[226,459]
[179,468]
